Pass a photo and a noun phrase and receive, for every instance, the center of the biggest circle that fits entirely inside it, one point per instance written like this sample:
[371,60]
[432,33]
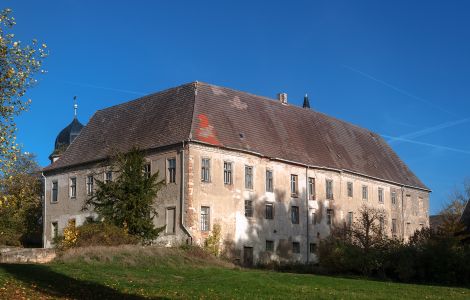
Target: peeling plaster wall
[227,204]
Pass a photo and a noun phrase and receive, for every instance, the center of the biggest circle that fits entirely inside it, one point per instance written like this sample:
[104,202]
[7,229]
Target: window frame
[313,248]
[73,187]
[54,229]
[365,193]
[248,208]
[171,169]
[205,218]
[174,220]
[228,172]
[393,196]
[205,169]
[147,169]
[271,247]
[350,189]
[269,181]
[90,185]
[295,247]
[55,191]
[249,177]
[350,219]
[108,179]
[380,195]
[311,188]
[295,214]
[294,185]
[269,216]
[329,189]
[330,216]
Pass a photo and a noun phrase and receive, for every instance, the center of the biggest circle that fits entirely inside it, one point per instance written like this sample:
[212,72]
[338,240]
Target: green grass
[179,275]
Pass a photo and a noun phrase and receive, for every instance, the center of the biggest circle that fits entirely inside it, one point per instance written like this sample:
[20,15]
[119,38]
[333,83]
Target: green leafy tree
[18,64]
[20,203]
[128,201]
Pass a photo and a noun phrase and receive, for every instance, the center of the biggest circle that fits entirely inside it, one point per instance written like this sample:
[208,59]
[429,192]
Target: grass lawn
[179,276]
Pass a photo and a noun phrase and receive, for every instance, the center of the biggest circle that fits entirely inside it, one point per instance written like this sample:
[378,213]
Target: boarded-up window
[170,220]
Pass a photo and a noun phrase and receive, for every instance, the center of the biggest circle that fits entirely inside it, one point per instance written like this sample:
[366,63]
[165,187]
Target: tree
[18,65]
[453,209]
[20,203]
[128,201]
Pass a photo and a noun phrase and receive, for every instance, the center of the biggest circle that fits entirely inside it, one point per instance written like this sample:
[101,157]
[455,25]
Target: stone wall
[27,255]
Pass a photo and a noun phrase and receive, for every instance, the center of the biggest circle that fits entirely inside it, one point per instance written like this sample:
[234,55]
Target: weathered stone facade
[227,202]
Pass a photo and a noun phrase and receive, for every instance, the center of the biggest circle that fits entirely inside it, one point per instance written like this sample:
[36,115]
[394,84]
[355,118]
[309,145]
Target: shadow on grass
[55,284]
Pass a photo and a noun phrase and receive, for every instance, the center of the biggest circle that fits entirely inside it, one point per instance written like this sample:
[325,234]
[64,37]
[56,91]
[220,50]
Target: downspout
[44,213]
[190,241]
[307,209]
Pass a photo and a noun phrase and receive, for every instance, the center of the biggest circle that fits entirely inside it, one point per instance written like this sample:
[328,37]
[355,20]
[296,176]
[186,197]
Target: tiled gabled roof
[232,119]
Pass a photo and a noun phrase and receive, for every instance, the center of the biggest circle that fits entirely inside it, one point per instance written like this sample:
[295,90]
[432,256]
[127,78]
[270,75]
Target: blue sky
[399,68]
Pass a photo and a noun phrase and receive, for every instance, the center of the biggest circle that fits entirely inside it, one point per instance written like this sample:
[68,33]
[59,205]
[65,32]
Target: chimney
[282,97]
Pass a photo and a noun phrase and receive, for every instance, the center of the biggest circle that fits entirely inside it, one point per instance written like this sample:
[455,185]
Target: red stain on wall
[206,132]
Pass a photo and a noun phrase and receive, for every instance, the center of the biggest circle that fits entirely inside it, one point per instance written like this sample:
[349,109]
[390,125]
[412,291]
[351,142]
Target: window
[350,189]
[54,230]
[381,223]
[89,220]
[365,192]
[295,214]
[329,216]
[381,195]
[311,188]
[248,208]
[249,177]
[314,218]
[147,170]
[205,218]
[269,246]
[394,198]
[269,180]
[228,173]
[73,187]
[172,170]
[55,191]
[206,170]
[170,220]
[89,185]
[394,226]
[295,247]
[108,177]
[269,211]
[294,185]
[329,189]
[350,219]
[313,247]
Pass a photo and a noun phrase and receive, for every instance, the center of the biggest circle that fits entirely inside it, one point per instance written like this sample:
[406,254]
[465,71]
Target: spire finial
[75,106]
[306,102]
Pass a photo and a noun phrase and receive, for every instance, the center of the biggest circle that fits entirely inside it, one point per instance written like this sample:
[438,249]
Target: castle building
[275,177]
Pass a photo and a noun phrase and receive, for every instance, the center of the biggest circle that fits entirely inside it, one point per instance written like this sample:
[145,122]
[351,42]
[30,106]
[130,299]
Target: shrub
[212,243]
[103,234]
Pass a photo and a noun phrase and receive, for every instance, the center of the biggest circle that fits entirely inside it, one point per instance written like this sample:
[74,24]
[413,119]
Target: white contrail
[428,130]
[105,88]
[406,93]
[427,144]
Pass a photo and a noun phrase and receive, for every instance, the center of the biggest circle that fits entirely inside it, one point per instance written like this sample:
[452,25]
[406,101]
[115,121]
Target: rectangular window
[365,192]
[295,247]
[249,177]
[313,247]
[329,216]
[295,214]
[55,191]
[311,188]
[54,230]
[269,211]
[108,177]
[350,189]
[228,173]
[205,218]
[381,195]
[294,185]
[170,220]
[89,185]
[205,170]
[172,170]
[394,226]
[248,208]
[350,219]
[269,246]
[329,189]
[394,198]
[269,180]
[314,218]
[73,187]
[147,170]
